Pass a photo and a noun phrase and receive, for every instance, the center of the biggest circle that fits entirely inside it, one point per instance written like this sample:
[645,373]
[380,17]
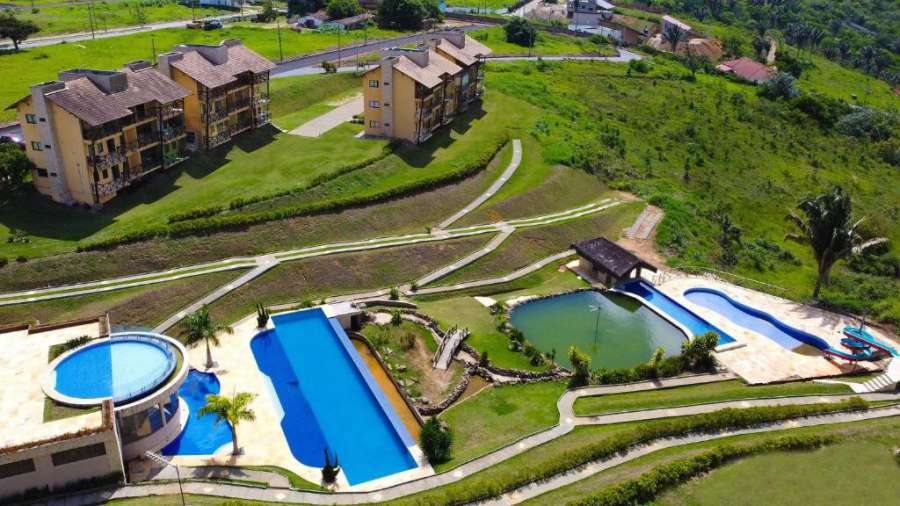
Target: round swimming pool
[122,367]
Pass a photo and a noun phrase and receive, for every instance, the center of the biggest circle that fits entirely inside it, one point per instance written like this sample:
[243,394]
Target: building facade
[414,92]
[228,86]
[588,12]
[93,132]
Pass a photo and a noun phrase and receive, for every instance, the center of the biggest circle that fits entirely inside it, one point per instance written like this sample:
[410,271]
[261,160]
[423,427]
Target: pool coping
[48,379]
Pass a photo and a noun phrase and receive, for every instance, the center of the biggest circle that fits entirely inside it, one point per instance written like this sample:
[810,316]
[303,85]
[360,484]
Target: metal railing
[107,160]
[219,139]
[156,380]
[263,119]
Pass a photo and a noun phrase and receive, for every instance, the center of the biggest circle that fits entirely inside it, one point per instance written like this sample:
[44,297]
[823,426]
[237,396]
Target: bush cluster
[644,489]
[212,224]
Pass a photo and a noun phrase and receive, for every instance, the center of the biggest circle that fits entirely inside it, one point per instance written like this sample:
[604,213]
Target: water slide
[870,340]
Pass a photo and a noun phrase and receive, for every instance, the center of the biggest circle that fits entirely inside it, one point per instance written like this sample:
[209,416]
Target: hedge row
[238,203]
[485,486]
[644,489]
[212,224]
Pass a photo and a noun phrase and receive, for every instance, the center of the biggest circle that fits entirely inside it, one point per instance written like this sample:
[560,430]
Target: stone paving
[331,119]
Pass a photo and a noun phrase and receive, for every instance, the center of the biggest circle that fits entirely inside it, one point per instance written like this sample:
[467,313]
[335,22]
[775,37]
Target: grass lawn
[295,480]
[879,432]
[481,5]
[144,305]
[499,415]
[39,64]
[296,100]
[698,394]
[108,14]
[545,44]
[850,473]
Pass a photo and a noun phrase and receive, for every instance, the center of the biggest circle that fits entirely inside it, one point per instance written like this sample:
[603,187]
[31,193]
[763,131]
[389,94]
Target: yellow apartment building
[93,132]
[414,92]
[229,90]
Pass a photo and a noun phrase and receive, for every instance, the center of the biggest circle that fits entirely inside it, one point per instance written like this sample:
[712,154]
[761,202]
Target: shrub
[329,67]
[396,318]
[826,111]
[581,367]
[639,66]
[696,353]
[338,9]
[867,123]
[408,341]
[782,86]
[483,360]
[330,471]
[71,344]
[436,439]
[21,259]
[3,262]
[394,293]
[520,31]
[262,316]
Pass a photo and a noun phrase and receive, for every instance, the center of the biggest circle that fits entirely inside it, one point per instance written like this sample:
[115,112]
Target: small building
[588,13]
[222,4]
[414,92]
[608,262]
[313,20]
[668,21]
[351,23]
[748,69]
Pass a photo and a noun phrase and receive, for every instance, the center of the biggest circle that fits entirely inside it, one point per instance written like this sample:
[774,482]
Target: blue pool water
[753,319]
[330,399]
[676,311]
[120,368]
[202,435]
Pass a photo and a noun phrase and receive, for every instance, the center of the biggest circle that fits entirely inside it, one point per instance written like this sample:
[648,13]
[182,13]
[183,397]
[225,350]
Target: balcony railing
[170,111]
[261,100]
[238,104]
[263,118]
[170,134]
[217,114]
[147,138]
[219,139]
[106,160]
[236,129]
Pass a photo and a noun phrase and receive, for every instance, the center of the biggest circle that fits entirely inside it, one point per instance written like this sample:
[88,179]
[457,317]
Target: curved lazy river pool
[623,333]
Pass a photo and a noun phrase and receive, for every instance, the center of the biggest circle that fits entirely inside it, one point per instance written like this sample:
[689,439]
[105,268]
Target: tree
[338,9]
[436,440]
[16,30]
[303,7]
[783,85]
[262,316]
[656,359]
[14,167]
[233,410]
[267,14]
[330,470]
[138,14]
[581,366]
[761,46]
[402,14]
[199,326]
[696,353]
[830,230]
[732,44]
[520,31]
[673,34]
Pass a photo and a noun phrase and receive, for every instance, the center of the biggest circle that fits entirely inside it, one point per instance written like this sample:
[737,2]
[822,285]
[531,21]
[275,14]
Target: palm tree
[673,34]
[830,230]
[201,327]
[232,410]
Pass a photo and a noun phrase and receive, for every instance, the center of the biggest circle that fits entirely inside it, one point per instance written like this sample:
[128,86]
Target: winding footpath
[567,422]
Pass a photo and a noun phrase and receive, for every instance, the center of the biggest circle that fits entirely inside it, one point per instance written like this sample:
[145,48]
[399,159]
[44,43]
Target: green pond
[622,333]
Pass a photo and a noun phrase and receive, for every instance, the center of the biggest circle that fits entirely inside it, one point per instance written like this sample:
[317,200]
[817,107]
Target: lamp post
[160,460]
[278,31]
[596,309]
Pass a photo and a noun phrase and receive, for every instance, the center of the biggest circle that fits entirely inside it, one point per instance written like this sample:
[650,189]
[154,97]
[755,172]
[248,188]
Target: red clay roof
[748,69]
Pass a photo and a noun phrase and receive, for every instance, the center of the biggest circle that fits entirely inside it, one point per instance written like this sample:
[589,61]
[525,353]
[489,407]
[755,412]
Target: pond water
[623,333]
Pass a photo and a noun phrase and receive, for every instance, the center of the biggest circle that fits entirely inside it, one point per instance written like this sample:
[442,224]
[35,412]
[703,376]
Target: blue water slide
[869,339]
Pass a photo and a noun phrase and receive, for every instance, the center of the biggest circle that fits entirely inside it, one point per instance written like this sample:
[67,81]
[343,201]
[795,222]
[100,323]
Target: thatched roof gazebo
[608,262]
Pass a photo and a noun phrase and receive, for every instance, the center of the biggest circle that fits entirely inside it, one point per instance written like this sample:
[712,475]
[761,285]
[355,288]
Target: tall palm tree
[830,230]
[673,34]
[199,326]
[233,410]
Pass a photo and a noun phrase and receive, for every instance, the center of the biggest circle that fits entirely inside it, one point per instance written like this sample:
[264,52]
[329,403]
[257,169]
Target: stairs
[880,383]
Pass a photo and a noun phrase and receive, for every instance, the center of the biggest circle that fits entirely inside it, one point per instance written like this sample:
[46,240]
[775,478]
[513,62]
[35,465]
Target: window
[16,468]
[37,146]
[76,454]
[47,146]
[29,118]
[373,83]
[387,104]
[42,172]
[105,174]
[373,124]
[373,104]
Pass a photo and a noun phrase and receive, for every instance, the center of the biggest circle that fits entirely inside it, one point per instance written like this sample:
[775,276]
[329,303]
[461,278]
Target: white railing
[147,385]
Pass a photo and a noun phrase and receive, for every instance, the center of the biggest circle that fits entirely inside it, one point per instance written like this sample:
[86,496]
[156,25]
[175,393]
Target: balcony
[217,115]
[238,104]
[219,139]
[106,160]
[170,111]
[236,129]
[263,118]
[147,139]
[172,133]
[112,186]
[261,100]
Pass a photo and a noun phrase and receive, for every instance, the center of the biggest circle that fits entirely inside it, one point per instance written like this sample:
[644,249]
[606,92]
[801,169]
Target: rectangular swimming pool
[330,399]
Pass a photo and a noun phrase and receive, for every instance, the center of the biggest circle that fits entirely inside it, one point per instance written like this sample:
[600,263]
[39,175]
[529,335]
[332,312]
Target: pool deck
[262,440]
[762,360]
[23,364]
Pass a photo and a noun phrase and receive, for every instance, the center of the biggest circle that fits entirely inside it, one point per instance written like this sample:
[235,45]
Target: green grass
[295,480]
[108,14]
[40,64]
[853,472]
[144,305]
[490,5]
[545,44]
[698,394]
[296,100]
[499,415]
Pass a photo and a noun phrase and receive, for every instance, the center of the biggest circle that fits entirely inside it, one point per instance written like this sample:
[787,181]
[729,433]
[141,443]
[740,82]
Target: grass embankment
[499,415]
[108,14]
[296,100]
[824,479]
[546,44]
[144,305]
[672,141]
[699,394]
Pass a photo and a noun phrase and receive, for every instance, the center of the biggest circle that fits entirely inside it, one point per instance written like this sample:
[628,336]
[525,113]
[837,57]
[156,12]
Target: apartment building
[93,132]
[228,86]
[414,92]
[588,13]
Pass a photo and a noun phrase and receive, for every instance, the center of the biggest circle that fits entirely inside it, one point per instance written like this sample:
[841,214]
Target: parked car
[212,24]
[196,24]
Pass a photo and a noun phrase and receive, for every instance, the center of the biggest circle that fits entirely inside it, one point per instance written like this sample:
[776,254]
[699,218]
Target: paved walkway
[645,223]
[567,422]
[459,264]
[508,173]
[139,472]
[332,119]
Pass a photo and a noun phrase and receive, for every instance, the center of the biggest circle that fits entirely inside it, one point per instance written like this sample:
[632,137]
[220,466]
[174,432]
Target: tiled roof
[352,20]
[677,22]
[468,54]
[429,75]
[239,59]
[610,256]
[748,69]
[86,101]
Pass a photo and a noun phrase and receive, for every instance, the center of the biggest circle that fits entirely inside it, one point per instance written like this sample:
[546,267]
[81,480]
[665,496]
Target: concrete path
[459,264]
[332,119]
[510,170]
[645,223]
[156,473]
[567,422]
[448,346]
[263,264]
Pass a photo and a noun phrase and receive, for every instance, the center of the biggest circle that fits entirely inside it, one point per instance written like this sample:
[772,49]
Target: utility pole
[91,18]
[194,10]
[153,49]
[339,48]
[278,30]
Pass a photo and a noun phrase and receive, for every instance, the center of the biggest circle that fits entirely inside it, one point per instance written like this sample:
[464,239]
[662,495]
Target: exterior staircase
[882,383]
